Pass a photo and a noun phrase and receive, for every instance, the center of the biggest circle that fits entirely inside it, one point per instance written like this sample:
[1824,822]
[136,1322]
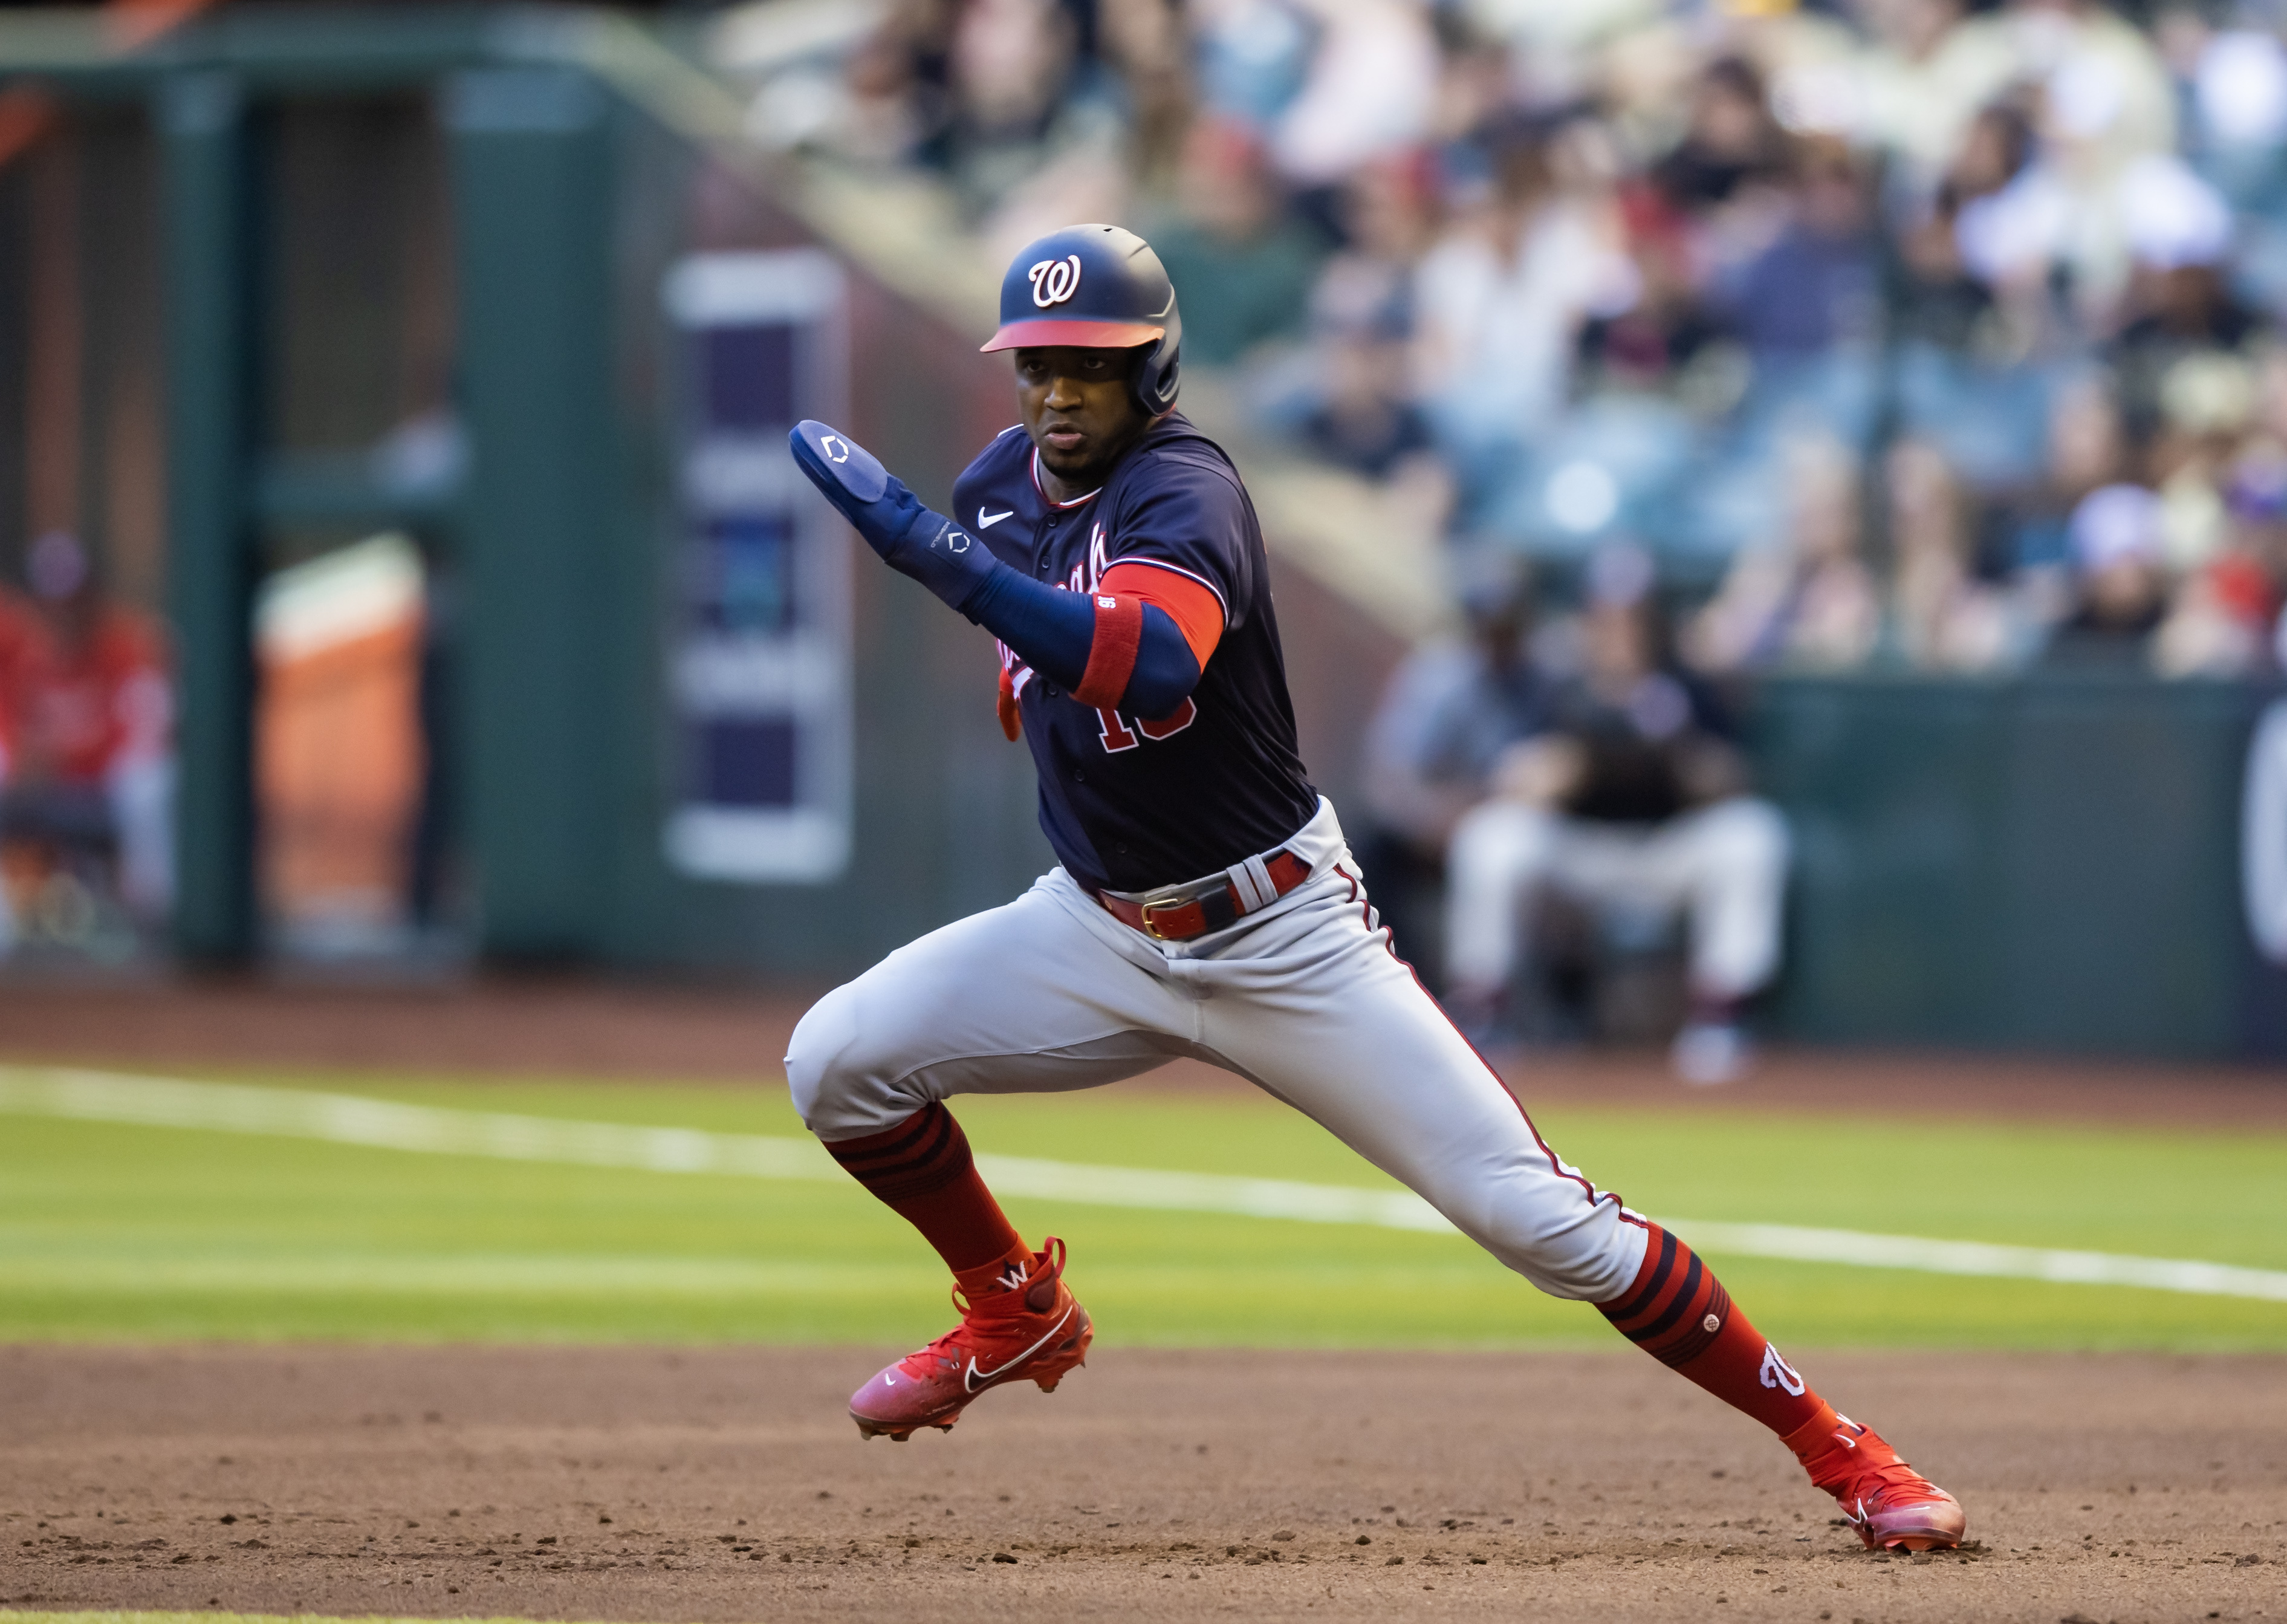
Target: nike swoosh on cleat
[970,1377]
[985,521]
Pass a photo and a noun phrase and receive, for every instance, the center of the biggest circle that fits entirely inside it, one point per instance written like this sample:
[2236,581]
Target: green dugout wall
[2048,863]
[2052,862]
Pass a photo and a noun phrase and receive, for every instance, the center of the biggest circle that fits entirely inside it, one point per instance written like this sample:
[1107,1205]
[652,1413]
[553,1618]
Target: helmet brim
[1041,332]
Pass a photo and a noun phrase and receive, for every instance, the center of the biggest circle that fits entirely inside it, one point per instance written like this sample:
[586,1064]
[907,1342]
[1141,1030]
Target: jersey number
[1117,735]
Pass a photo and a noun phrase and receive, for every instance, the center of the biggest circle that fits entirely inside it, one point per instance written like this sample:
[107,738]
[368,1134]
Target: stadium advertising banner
[759,652]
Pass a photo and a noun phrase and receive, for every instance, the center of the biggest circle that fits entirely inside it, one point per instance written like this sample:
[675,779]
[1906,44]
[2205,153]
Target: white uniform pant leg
[1500,855]
[1313,1006]
[142,797]
[1724,866]
[1022,999]
[1729,862]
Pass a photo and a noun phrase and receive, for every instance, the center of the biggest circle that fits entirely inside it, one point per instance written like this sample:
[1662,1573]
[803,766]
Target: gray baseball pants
[1303,998]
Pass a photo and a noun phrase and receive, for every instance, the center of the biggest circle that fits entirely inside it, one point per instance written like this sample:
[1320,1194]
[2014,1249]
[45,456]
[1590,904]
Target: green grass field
[111,1232]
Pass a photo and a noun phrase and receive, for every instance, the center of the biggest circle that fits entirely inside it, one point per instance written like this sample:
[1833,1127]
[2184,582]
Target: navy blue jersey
[1132,803]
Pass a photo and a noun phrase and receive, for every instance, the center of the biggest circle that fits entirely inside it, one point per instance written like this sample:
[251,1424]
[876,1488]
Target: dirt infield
[568,1028]
[647,1484]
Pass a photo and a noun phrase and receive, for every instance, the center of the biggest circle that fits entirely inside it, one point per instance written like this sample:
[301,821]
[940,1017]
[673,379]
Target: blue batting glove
[911,539]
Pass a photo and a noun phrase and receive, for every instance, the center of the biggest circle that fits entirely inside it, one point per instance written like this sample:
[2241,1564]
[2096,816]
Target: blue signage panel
[760,676]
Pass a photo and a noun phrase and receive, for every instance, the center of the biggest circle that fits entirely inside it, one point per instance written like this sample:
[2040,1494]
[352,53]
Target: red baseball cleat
[1888,1501]
[1032,1329]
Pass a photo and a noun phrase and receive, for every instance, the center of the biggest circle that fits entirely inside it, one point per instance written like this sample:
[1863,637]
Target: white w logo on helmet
[1055,281]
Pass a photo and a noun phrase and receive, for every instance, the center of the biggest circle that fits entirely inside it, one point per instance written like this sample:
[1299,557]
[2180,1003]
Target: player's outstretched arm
[1115,652]
[911,539]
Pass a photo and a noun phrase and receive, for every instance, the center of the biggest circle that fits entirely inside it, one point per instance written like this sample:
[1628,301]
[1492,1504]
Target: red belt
[1166,918]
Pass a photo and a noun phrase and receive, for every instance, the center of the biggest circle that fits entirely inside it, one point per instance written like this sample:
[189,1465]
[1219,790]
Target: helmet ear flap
[1167,378]
[1152,381]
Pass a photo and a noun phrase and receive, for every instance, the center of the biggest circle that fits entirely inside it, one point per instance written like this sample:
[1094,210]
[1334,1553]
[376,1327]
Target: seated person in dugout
[1633,797]
[86,762]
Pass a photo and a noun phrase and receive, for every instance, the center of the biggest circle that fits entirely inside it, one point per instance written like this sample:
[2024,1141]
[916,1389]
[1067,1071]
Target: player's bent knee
[1570,1249]
[851,1075]
[827,1072]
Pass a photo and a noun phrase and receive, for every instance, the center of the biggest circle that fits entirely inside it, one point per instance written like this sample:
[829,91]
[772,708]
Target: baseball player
[1203,903]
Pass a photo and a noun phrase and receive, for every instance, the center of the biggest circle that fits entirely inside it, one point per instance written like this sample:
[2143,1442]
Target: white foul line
[350,1119]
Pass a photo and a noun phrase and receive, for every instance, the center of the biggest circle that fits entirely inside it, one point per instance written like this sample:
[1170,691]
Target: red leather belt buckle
[1180,920]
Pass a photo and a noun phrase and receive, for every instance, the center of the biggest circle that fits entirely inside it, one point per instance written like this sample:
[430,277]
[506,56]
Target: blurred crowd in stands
[1920,333]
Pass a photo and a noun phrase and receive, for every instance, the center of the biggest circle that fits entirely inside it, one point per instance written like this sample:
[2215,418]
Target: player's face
[1077,409]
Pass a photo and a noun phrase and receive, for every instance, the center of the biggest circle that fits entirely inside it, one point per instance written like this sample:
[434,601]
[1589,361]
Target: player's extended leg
[1352,1040]
[1018,999]
[1677,1310]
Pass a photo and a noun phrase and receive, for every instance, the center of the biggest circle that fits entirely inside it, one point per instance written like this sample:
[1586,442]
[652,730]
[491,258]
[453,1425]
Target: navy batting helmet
[1099,288]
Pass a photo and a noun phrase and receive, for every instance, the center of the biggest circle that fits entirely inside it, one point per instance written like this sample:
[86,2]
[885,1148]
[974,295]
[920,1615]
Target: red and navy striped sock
[922,1170]
[1678,1311]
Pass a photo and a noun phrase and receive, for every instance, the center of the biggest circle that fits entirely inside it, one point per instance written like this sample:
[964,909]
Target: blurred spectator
[1731,141]
[1500,299]
[89,767]
[2179,306]
[1244,266]
[1946,618]
[1448,714]
[2088,449]
[1940,300]
[2221,618]
[1367,92]
[1363,419]
[1926,78]
[1632,800]
[1649,342]
[1011,61]
[897,102]
[1808,304]
[1451,710]
[2104,88]
[2106,102]
[1252,57]
[1359,410]
[1143,40]
[1807,601]
[2119,579]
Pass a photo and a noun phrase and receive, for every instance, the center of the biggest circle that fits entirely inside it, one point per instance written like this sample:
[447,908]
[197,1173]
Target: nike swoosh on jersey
[969,1378]
[985,521]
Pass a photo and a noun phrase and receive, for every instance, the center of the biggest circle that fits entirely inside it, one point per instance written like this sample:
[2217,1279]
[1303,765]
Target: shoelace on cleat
[921,1362]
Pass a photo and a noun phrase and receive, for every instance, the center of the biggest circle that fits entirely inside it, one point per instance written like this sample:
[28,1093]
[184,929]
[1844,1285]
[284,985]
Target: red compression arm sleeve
[1196,610]
[1112,656]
